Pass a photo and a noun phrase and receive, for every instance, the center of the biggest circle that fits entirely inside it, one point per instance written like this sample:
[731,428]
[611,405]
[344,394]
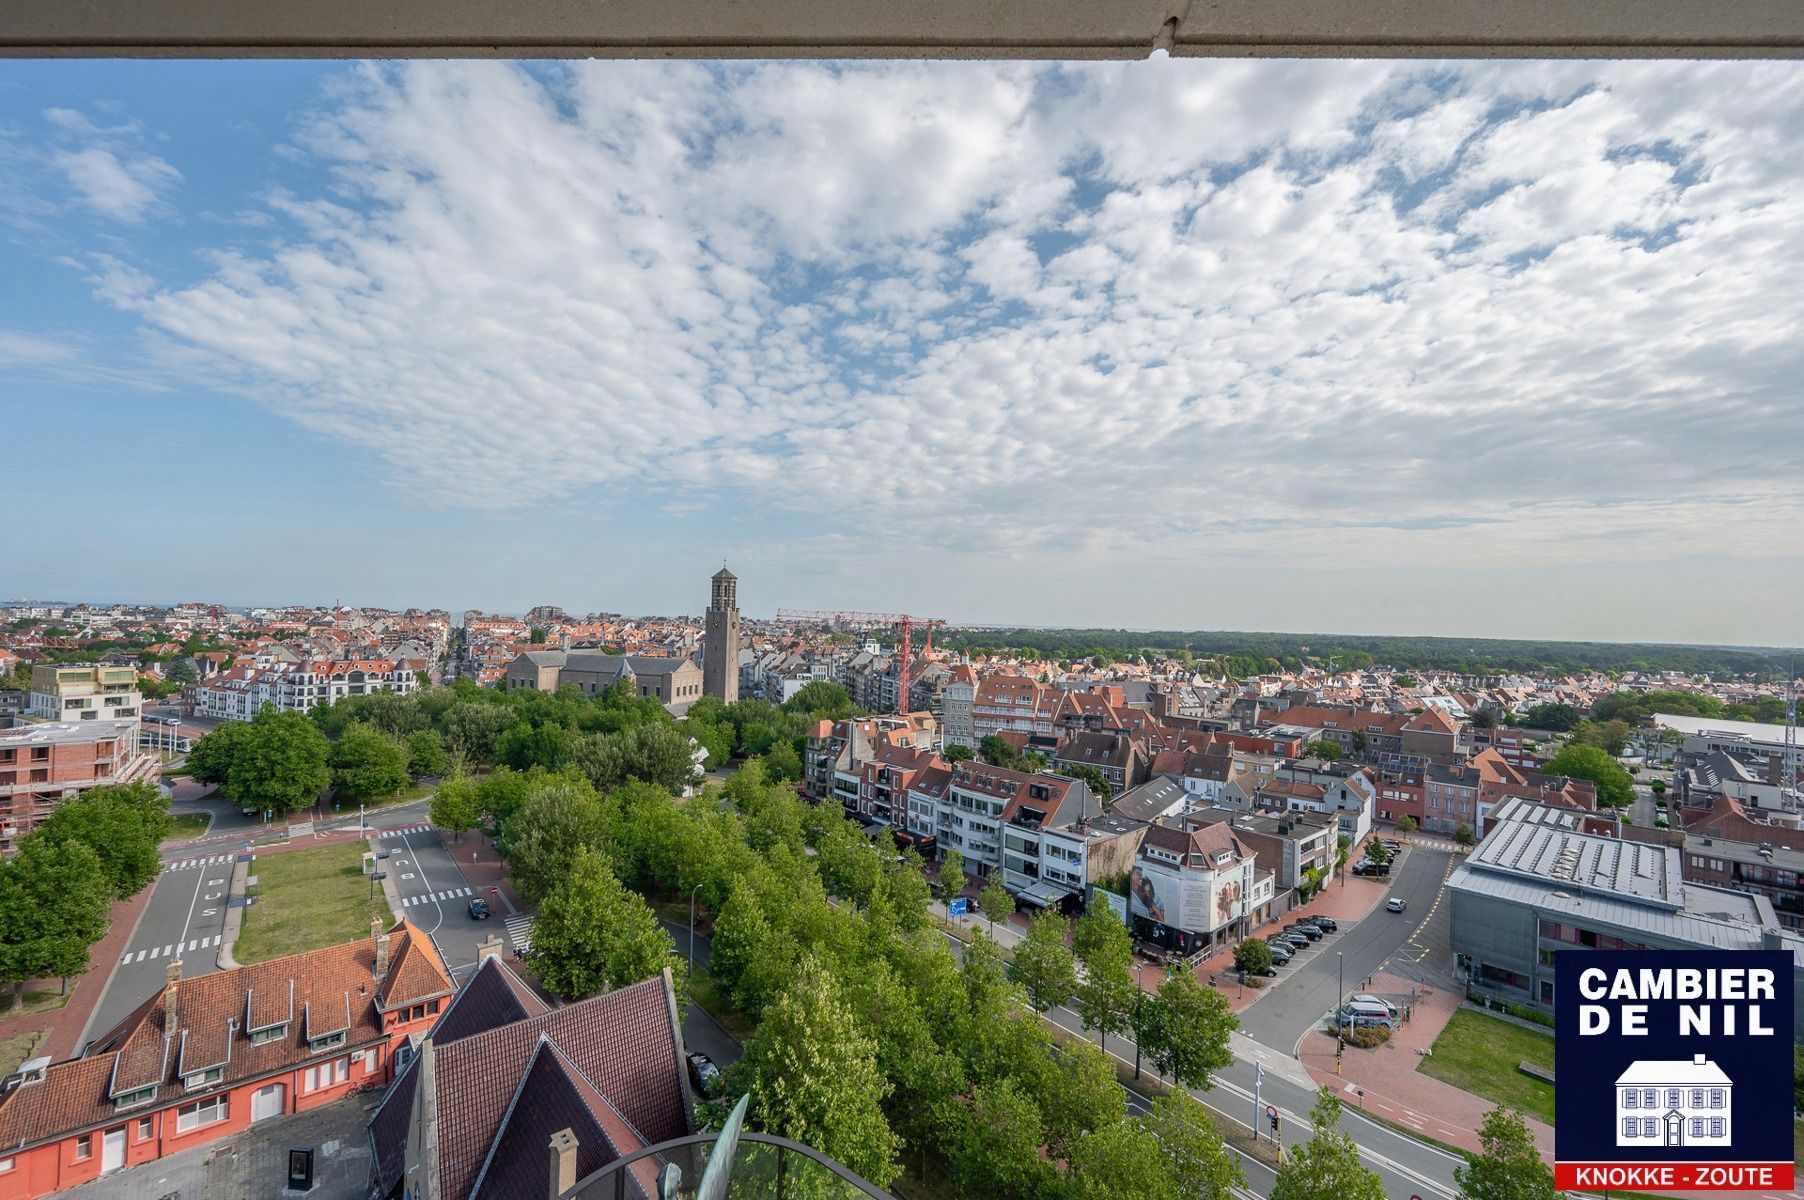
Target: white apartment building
[84,692]
[243,692]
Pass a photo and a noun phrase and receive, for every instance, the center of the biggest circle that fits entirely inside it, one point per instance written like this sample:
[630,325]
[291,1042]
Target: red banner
[1673,1177]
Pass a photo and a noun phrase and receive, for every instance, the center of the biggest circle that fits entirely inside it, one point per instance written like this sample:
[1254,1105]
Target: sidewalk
[64,1025]
[1392,1087]
[486,870]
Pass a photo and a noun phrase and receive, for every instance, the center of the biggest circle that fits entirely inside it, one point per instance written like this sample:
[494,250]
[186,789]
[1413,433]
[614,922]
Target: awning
[1041,895]
[875,828]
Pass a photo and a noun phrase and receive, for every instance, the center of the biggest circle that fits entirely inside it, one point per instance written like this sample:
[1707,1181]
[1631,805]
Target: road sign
[1271,1114]
[494,891]
[958,907]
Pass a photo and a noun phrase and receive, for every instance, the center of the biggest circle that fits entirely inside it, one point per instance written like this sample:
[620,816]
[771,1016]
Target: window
[325,1075]
[260,1037]
[201,1112]
[133,1098]
[201,1079]
[326,1041]
[1650,1098]
[6,1164]
[1717,1127]
[1628,1127]
[1649,1127]
[144,1128]
[1716,1097]
[1697,1127]
[1697,1097]
[84,1147]
[1628,1099]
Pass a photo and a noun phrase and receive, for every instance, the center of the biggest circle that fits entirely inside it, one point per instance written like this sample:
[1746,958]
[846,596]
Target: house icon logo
[1673,1103]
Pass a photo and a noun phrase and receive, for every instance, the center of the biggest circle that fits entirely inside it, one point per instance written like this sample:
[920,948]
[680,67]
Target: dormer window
[134,1098]
[325,1041]
[274,1033]
[201,1079]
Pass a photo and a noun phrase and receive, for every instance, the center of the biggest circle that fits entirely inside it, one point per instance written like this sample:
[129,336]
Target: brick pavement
[65,1024]
[1393,1087]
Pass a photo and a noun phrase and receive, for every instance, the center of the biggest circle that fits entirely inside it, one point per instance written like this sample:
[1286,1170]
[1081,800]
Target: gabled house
[214,1054]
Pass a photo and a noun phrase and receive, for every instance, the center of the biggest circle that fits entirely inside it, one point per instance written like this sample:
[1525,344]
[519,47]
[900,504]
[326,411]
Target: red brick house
[214,1054]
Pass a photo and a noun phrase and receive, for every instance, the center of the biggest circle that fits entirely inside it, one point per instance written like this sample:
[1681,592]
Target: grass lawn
[189,825]
[707,997]
[1478,1054]
[37,1000]
[307,899]
[15,1050]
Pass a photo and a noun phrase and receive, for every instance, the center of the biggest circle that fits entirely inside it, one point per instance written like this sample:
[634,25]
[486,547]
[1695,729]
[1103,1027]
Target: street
[432,893]
[184,920]
[1310,986]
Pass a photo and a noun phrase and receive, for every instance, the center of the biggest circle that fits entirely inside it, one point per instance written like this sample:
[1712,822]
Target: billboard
[1674,1070]
[1225,898]
[1117,904]
[1165,895]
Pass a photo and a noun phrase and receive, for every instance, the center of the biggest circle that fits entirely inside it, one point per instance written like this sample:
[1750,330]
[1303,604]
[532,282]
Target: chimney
[489,947]
[563,1163]
[172,973]
[1697,1060]
[376,927]
[381,955]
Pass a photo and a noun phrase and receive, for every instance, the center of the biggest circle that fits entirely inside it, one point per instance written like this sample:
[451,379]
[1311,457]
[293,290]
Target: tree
[1185,1028]
[1510,1168]
[1464,835]
[543,841]
[782,762]
[1043,964]
[1407,824]
[956,753]
[1200,1159]
[211,759]
[524,745]
[1328,1163]
[952,876]
[995,900]
[281,765]
[1105,1001]
[1484,718]
[1558,717]
[821,700]
[181,670]
[1092,778]
[1358,741]
[473,729]
[996,1151]
[998,752]
[1327,750]
[811,1071]
[1076,1090]
[366,763]
[1377,851]
[455,806]
[1403,681]
[592,935]
[54,901]
[536,635]
[1120,1161]
[425,753]
[1253,955]
[1615,788]
[117,829]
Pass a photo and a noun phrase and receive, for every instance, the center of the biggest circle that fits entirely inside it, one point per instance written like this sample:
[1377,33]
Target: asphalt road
[1310,986]
[184,919]
[433,893]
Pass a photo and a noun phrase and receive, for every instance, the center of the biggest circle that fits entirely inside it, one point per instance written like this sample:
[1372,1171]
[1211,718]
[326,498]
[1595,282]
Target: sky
[1487,349]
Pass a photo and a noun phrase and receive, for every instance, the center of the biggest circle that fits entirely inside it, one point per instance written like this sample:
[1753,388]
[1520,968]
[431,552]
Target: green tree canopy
[1615,787]
[426,753]
[456,805]
[995,900]
[1185,1028]
[1253,955]
[281,764]
[1204,1167]
[211,759]
[1328,1163]
[1044,966]
[544,839]
[366,763]
[592,935]
[117,828]
[1509,1168]
[54,902]
[1327,750]
[1107,997]
[1558,717]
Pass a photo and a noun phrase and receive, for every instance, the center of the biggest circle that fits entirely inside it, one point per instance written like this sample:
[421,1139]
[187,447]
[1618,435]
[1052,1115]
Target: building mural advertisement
[1118,904]
[1167,896]
[1674,1071]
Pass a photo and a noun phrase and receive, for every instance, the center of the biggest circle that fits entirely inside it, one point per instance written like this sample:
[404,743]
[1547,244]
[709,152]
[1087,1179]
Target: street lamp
[1340,1036]
[692,892]
[1139,996]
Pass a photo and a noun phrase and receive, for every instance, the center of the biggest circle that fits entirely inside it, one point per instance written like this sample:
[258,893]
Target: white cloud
[1241,312]
[108,170]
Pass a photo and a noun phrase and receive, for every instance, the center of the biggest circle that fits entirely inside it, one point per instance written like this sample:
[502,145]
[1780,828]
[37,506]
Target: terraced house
[209,1056]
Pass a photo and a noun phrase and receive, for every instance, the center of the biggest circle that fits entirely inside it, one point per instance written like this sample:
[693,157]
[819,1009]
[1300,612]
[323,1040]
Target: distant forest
[1253,653]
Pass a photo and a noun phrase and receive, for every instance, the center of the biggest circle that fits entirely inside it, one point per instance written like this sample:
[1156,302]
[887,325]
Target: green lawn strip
[706,995]
[39,1000]
[18,1048]
[1478,1054]
[188,826]
[307,899]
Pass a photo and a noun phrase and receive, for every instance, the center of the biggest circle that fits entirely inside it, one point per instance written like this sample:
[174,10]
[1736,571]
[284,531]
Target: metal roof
[1583,861]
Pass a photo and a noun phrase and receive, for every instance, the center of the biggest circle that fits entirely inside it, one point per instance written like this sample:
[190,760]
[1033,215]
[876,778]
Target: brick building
[43,764]
[212,1055]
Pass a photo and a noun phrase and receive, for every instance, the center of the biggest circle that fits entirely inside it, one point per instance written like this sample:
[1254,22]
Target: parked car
[1295,941]
[479,909]
[1306,928]
[703,1073]
[1368,998]
[1394,904]
[1392,845]
[1358,1013]
[1281,953]
[1271,970]
[1325,924]
[1368,867]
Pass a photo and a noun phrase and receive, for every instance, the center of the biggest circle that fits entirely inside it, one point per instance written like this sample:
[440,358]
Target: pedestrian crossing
[169,951]
[406,829]
[453,894]
[519,931]
[188,864]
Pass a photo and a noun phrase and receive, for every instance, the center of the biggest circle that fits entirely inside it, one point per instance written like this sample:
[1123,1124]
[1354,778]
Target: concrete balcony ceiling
[1052,29]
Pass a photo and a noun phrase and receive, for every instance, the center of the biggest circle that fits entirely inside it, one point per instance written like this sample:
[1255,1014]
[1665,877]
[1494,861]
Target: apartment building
[1758,868]
[838,751]
[1121,759]
[1015,704]
[84,692]
[1290,844]
[956,701]
[1390,739]
[275,679]
[45,763]
[1195,885]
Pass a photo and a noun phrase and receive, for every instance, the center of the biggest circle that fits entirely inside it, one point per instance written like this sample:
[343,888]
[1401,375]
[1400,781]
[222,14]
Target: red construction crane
[902,620]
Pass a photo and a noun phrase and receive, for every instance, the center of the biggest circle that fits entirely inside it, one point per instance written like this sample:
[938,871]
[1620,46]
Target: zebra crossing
[519,931]
[453,894]
[188,864]
[406,829]
[170,951]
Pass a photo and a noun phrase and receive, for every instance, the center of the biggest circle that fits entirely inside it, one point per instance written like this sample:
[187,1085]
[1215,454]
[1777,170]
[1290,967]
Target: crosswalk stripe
[127,959]
[140,957]
[216,938]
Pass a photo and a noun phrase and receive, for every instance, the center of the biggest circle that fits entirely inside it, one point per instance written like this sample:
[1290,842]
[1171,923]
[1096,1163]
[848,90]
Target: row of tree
[57,890]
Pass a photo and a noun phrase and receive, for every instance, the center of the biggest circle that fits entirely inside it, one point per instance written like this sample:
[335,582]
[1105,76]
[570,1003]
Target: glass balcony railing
[763,1168]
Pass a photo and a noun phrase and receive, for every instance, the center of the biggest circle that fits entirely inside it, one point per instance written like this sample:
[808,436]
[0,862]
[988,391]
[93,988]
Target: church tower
[720,639]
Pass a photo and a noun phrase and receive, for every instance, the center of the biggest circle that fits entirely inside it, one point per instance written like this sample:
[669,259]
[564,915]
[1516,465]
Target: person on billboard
[1141,885]
[1227,900]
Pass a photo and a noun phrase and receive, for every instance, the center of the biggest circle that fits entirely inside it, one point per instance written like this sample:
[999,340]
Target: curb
[234,918]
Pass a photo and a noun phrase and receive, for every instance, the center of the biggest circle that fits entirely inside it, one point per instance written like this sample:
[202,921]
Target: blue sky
[1496,349]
